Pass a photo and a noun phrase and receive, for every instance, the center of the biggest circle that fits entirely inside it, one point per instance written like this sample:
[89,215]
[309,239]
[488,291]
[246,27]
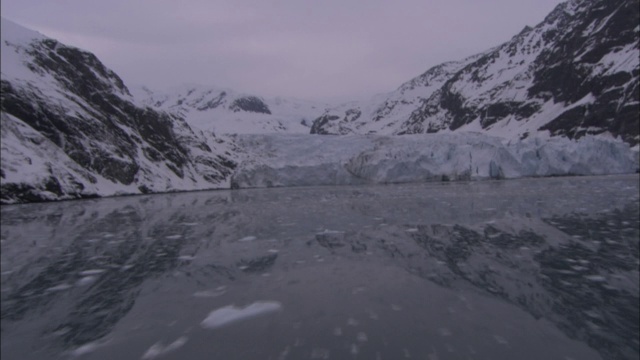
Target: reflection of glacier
[563,249]
[297,160]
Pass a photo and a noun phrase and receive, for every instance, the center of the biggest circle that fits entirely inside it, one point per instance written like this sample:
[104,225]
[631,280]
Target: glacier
[307,160]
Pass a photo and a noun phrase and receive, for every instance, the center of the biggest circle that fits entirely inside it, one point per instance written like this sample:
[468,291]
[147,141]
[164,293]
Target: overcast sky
[313,49]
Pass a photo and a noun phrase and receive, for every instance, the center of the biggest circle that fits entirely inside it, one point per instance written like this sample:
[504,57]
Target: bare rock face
[250,104]
[574,74]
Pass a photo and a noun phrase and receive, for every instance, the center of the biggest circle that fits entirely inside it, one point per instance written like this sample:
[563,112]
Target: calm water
[521,269]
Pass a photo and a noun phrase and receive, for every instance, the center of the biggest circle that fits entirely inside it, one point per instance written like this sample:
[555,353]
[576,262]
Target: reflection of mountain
[578,271]
[102,270]
[126,259]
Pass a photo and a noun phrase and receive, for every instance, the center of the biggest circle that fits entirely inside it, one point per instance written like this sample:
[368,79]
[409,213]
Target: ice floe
[158,348]
[230,314]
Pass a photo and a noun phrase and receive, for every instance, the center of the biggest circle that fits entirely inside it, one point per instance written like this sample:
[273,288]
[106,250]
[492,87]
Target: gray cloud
[304,48]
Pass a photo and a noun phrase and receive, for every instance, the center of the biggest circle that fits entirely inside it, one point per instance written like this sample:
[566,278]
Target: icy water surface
[520,269]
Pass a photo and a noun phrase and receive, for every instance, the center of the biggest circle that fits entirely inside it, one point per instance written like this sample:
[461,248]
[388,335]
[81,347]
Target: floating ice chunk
[229,314]
[320,353]
[59,287]
[86,281]
[596,278]
[92,272]
[85,349]
[337,331]
[352,322]
[444,332]
[173,237]
[433,355]
[411,230]
[88,347]
[186,257]
[158,348]
[248,238]
[210,293]
[395,307]
[284,353]
[362,337]
[355,349]
[500,340]
[327,231]
[189,224]
[273,251]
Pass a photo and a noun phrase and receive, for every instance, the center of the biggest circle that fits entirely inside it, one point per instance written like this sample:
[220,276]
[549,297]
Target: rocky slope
[575,73]
[70,129]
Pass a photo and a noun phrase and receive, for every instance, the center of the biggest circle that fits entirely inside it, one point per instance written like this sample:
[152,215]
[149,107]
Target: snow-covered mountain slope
[224,111]
[575,73]
[303,160]
[71,129]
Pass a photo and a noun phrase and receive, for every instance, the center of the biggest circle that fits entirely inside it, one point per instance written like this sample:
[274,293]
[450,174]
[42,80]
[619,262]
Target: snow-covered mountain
[71,129]
[225,111]
[575,73]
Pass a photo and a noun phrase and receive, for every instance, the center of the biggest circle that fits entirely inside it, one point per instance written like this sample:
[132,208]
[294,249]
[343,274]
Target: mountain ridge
[226,111]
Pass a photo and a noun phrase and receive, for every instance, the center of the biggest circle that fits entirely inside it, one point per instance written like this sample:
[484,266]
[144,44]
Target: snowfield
[308,160]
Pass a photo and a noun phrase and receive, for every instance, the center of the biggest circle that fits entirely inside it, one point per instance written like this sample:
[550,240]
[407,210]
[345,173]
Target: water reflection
[452,270]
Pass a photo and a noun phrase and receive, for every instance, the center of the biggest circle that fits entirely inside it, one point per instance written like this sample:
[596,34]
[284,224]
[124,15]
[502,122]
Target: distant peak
[525,30]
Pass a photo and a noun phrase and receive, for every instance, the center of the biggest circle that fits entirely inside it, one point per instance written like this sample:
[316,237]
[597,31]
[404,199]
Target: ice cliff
[302,160]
